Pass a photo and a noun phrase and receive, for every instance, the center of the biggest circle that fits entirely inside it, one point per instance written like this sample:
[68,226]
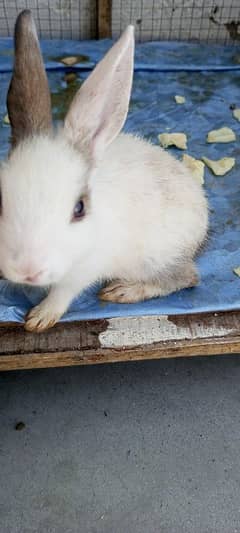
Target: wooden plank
[104,15]
[120,339]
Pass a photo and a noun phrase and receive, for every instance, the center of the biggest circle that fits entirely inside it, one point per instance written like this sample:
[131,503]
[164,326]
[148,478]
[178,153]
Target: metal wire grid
[200,20]
[64,19]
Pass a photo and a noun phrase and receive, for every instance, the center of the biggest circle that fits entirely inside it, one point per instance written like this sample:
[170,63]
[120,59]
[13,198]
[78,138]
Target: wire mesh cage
[198,20]
[202,20]
[64,19]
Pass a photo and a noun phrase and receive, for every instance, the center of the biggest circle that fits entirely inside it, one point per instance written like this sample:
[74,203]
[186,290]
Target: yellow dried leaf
[223,135]
[69,61]
[173,139]
[237,271]
[6,119]
[236,114]
[195,166]
[180,99]
[221,166]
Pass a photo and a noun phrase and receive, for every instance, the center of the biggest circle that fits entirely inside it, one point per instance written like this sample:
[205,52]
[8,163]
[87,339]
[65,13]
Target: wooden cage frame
[119,339]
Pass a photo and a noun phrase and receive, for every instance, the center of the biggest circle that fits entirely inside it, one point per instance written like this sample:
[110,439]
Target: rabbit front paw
[42,317]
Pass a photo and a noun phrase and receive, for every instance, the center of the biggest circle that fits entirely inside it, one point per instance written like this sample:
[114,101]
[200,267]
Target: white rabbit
[86,203]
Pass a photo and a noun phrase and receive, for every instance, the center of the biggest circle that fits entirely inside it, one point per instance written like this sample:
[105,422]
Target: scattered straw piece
[180,99]
[220,167]
[237,271]
[236,113]
[223,135]
[6,119]
[173,139]
[196,166]
[69,61]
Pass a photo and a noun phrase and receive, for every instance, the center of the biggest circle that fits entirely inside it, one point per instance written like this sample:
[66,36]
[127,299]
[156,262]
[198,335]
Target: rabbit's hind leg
[124,291]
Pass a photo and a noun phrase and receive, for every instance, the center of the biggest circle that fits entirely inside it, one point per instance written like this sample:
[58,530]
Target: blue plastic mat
[209,78]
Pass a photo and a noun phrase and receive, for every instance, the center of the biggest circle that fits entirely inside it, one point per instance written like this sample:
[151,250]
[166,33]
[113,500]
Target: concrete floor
[131,448]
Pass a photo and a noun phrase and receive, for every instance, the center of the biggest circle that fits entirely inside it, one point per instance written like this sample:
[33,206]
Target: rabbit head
[46,216]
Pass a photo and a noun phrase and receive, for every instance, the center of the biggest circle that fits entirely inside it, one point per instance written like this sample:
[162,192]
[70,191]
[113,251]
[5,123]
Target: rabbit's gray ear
[28,99]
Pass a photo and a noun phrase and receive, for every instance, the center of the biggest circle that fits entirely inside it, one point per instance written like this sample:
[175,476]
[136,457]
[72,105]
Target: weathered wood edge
[120,339]
[104,17]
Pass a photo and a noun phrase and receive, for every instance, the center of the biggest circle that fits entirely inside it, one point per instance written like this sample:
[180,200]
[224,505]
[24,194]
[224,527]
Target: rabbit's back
[151,206]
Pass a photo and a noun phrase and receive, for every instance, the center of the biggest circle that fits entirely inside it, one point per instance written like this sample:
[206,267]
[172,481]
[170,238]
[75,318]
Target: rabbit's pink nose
[33,278]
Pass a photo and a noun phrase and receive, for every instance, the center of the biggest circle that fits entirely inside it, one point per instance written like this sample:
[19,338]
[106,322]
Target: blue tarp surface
[209,78]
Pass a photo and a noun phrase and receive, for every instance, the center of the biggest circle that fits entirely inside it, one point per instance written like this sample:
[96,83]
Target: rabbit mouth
[37,278]
[42,278]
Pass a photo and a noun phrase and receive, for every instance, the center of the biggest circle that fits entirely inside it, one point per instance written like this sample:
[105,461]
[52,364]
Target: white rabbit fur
[146,217]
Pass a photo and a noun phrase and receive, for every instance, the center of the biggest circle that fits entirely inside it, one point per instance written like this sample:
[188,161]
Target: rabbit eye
[79,211]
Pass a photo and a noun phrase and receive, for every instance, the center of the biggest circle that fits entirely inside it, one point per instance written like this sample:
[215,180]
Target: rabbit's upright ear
[28,99]
[100,107]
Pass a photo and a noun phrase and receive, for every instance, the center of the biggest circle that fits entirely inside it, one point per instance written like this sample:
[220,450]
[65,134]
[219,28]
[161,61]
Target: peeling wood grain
[133,331]
[75,336]
[203,347]
[105,341]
